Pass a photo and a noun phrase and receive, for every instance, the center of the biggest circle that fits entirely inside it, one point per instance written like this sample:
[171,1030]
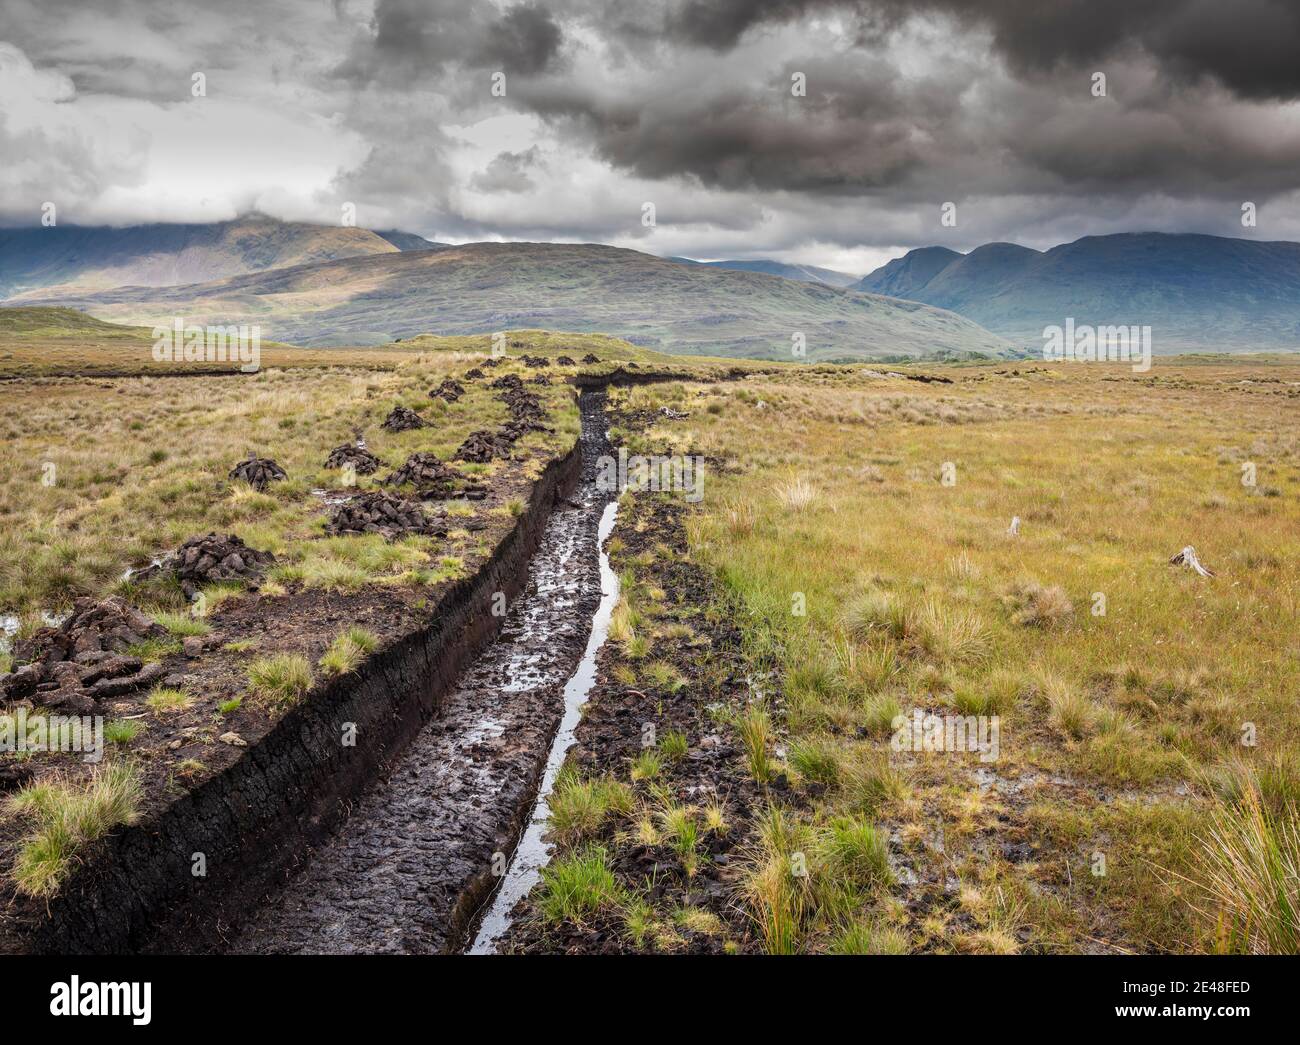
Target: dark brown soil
[483,446]
[403,419]
[450,390]
[209,559]
[526,415]
[378,511]
[258,472]
[180,751]
[434,480]
[359,459]
[416,856]
[611,735]
[85,660]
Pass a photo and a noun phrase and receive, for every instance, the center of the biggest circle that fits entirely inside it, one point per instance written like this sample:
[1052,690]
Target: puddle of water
[11,622]
[533,852]
[130,570]
[485,729]
[331,498]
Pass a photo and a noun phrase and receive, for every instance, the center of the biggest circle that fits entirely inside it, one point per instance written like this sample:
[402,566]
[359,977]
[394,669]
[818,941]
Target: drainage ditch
[417,861]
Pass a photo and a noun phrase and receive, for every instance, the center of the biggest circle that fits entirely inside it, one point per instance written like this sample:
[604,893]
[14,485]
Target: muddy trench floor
[393,877]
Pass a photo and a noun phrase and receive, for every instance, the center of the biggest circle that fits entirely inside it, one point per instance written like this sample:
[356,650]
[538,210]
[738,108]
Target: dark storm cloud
[851,131]
[909,103]
[1248,46]
[721,23]
[524,39]
[1251,47]
[418,39]
[870,124]
[508,172]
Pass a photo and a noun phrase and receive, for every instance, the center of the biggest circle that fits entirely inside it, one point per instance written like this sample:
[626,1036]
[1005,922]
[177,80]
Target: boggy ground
[851,561]
[407,868]
[235,662]
[857,534]
[1144,795]
[654,811]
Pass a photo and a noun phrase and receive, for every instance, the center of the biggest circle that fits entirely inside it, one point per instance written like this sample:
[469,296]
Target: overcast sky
[687,104]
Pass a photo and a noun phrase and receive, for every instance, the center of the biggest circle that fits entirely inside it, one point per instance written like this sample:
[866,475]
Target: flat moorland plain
[1143,786]
[61,342]
[1141,793]
[102,476]
[47,342]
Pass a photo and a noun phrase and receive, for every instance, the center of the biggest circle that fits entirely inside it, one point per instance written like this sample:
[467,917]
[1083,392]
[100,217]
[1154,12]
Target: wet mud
[416,860]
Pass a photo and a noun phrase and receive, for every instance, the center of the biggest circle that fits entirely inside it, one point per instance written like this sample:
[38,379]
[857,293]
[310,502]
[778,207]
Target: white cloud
[927,110]
[105,158]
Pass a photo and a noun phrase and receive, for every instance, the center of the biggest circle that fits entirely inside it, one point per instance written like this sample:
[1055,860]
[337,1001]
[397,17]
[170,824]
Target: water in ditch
[407,870]
[533,852]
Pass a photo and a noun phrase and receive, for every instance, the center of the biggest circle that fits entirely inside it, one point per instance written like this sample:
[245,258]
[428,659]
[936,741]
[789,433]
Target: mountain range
[481,287]
[1205,293]
[320,285]
[804,273]
[84,259]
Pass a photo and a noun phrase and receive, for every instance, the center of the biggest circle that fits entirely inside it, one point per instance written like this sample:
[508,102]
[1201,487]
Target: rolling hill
[1198,293]
[482,287]
[83,259]
[805,273]
[62,342]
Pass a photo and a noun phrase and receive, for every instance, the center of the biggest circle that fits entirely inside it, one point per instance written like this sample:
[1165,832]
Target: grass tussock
[577,886]
[817,758]
[581,807]
[872,613]
[182,625]
[797,495]
[347,651]
[166,700]
[1070,710]
[754,725]
[777,888]
[1249,870]
[868,937]
[950,635]
[280,680]
[123,731]
[1035,606]
[856,852]
[65,817]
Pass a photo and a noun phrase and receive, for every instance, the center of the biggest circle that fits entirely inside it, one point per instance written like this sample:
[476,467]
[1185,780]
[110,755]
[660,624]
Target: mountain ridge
[475,288]
[804,273]
[86,258]
[1197,292]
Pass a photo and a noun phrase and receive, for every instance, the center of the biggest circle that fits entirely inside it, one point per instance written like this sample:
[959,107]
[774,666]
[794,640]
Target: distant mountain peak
[88,257]
[584,288]
[1197,292]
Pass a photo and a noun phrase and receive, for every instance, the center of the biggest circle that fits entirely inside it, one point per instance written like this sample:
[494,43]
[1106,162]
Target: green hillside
[1195,292]
[55,324]
[483,287]
[83,259]
[806,273]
